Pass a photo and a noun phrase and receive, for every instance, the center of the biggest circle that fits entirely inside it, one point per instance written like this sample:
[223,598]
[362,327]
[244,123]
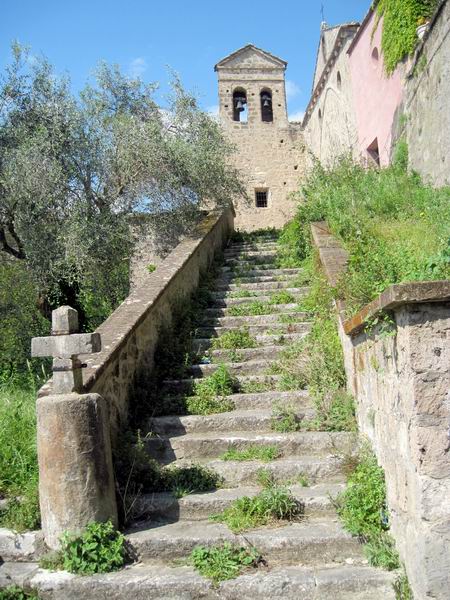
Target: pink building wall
[376,95]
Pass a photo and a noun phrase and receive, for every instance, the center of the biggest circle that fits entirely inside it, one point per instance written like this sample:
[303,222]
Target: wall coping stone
[334,259]
[118,327]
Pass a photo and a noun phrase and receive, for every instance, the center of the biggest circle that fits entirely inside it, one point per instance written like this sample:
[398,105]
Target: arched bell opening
[240,110]
[266,106]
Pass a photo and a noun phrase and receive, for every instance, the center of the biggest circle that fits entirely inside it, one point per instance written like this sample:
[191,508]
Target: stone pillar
[76,481]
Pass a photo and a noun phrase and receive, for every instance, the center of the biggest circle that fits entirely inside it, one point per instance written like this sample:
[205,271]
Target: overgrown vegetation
[285,419]
[235,339]
[394,227]
[362,508]
[253,452]
[275,503]
[252,309]
[400,21]
[99,549]
[402,588]
[16,593]
[210,393]
[223,562]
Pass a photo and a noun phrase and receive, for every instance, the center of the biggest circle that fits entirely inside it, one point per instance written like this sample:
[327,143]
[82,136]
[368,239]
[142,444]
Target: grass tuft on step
[253,452]
[237,339]
[225,561]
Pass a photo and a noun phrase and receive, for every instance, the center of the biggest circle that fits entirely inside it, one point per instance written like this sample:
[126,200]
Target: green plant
[274,503]
[285,419]
[223,562]
[208,404]
[151,268]
[381,552]
[265,478]
[100,549]
[189,480]
[210,393]
[253,452]
[16,593]
[303,480]
[242,294]
[234,340]
[402,588]
[282,297]
[253,309]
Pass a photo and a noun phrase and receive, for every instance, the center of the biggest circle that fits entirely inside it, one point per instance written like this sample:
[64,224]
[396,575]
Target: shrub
[211,392]
[223,562]
[16,593]
[274,503]
[100,549]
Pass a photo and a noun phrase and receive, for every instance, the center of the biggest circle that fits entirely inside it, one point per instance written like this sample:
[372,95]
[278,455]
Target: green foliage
[285,419]
[274,503]
[205,404]
[234,340]
[402,589]
[303,480]
[400,21]
[100,549]
[253,309]
[18,455]
[291,246]
[223,562]
[281,297]
[151,268]
[210,393]
[242,294]
[265,478]
[16,593]
[189,480]
[381,552]
[253,452]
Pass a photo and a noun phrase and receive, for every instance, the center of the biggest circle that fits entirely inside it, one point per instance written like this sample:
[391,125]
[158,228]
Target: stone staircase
[312,558]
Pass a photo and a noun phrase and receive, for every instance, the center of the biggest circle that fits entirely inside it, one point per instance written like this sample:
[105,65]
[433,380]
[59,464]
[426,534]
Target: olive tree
[74,168]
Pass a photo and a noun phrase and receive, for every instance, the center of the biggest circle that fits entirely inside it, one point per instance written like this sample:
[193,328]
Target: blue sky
[143,37]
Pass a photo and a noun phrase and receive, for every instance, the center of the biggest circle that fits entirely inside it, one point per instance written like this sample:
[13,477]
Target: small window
[375,57]
[266,106]
[339,80]
[320,114]
[374,152]
[240,112]
[261,198]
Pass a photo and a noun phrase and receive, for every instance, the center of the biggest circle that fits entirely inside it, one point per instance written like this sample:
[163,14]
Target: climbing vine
[401,19]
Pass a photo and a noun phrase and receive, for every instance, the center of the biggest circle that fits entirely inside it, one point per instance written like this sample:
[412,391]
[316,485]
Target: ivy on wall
[401,19]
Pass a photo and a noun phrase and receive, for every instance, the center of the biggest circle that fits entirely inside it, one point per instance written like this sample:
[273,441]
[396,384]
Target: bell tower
[270,149]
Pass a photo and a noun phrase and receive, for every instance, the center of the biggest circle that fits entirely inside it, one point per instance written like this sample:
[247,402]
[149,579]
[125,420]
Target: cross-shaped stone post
[64,345]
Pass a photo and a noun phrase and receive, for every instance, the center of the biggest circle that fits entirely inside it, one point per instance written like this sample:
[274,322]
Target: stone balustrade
[399,373]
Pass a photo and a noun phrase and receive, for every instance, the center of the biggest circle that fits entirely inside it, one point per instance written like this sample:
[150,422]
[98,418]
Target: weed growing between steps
[266,478]
[137,474]
[242,294]
[236,339]
[285,419]
[251,310]
[402,589]
[362,508]
[99,549]
[282,297]
[263,453]
[16,593]
[274,504]
[223,562]
[210,393]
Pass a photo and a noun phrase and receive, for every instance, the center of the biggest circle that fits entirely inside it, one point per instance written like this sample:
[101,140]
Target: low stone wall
[400,377]
[130,335]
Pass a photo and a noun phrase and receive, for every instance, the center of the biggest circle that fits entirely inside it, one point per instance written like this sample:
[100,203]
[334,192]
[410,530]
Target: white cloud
[297,116]
[137,67]
[292,89]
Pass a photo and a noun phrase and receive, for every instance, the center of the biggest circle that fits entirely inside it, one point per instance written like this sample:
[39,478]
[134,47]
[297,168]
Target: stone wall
[427,105]
[401,381]
[130,335]
[270,155]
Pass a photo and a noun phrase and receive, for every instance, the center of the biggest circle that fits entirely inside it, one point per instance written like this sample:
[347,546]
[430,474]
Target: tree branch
[19,253]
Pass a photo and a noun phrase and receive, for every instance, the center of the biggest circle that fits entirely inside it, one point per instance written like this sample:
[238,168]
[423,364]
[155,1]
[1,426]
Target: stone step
[257,271]
[255,286]
[201,345]
[248,321]
[311,543]
[253,261]
[255,420]
[262,295]
[269,329]
[265,255]
[271,309]
[315,501]
[186,385]
[223,279]
[223,303]
[214,444]
[250,367]
[252,247]
[244,354]
[156,582]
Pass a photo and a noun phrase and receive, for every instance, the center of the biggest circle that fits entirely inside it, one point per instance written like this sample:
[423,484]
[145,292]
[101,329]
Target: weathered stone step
[248,321]
[200,345]
[223,303]
[265,255]
[186,385]
[258,271]
[255,420]
[271,309]
[262,295]
[256,247]
[156,582]
[311,543]
[250,367]
[253,261]
[269,328]
[255,286]
[214,444]
[223,279]
[315,500]
[244,354]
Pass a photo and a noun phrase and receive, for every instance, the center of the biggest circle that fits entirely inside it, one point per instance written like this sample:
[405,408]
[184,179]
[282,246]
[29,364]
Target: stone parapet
[400,378]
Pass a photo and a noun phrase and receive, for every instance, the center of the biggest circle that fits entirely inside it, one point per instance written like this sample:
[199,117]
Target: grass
[225,561]
[263,453]
[282,297]
[285,419]
[18,456]
[275,503]
[242,294]
[210,393]
[402,589]
[234,340]
[251,310]
[16,593]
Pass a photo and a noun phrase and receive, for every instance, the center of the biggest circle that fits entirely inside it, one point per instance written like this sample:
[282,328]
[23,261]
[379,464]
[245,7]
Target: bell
[239,105]
[266,101]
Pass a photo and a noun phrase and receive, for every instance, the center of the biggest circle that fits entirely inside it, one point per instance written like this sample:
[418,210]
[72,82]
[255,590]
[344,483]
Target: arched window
[339,80]
[266,106]
[240,112]
[320,114]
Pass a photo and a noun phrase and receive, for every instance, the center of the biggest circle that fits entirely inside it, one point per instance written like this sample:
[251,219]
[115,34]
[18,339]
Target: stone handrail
[400,379]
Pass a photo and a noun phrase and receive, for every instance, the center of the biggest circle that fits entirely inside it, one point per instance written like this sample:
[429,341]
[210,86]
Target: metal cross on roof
[64,345]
